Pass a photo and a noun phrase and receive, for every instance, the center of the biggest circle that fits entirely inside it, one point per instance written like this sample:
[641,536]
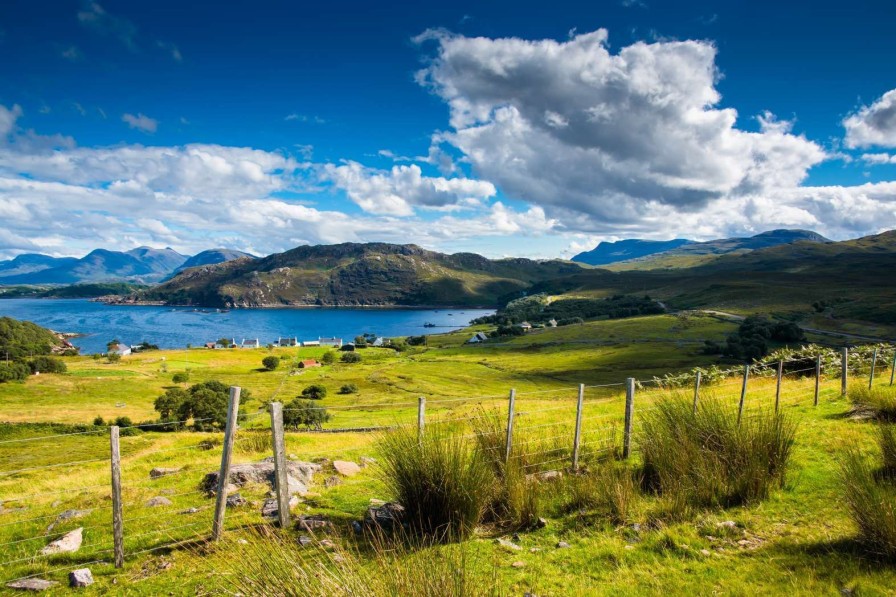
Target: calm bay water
[176,327]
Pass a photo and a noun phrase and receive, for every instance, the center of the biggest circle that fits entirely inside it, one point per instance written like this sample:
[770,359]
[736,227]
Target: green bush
[113,357]
[350,357]
[328,358]
[348,388]
[13,371]
[46,364]
[871,499]
[205,403]
[98,421]
[182,377]
[707,459]
[878,402]
[443,482]
[304,413]
[270,362]
[314,392]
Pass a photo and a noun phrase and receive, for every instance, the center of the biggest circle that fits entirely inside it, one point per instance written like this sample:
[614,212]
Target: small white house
[250,343]
[526,326]
[552,323]
[287,341]
[379,342]
[477,338]
[310,342]
[120,349]
[335,342]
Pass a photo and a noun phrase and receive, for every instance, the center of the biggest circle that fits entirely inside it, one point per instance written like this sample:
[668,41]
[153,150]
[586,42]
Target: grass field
[799,541]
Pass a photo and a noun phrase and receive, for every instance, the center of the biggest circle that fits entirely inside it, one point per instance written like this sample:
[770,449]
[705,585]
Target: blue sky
[504,128]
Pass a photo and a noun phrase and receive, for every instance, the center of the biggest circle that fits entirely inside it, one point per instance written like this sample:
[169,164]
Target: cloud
[171,49]
[876,159]
[303,118]
[874,124]
[8,117]
[72,54]
[396,192]
[141,122]
[594,137]
[96,18]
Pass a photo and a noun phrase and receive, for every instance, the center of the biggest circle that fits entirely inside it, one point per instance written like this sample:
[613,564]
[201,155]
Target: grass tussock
[871,496]
[253,442]
[878,402]
[611,492]
[706,459]
[263,561]
[443,482]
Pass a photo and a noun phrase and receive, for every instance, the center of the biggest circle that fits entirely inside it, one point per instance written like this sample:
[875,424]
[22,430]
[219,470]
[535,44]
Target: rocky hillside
[352,274]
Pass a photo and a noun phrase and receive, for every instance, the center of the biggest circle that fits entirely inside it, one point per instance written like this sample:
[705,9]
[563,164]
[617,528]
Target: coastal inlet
[176,327]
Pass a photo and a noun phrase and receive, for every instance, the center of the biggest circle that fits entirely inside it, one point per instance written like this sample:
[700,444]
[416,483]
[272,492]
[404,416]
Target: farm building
[310,342]
[250,343]
[307,364]
[336,342]
[477,337]
[120,349]
[526,326]
[287,342]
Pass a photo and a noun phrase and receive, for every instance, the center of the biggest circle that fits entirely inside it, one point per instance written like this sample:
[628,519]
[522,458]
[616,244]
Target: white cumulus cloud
[874,124]
[141,122]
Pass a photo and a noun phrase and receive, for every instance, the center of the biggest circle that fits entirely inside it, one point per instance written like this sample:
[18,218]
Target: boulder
[298,475]
[367,461]
[81,577]
[161,472]
[67,515]
[31,584]
[68,543]
[346,468]
[158,501]
[563,545]
[236,500]
[508,544]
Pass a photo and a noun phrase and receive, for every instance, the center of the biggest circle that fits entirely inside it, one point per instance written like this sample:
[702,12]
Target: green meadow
[799,540]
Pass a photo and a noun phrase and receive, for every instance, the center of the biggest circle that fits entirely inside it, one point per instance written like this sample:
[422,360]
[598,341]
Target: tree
[328,358]
[350,357]
[360,341]
[315,392]
[169,403]
[304,413]
[181,377]
[13,371]
[98,421]
[205,403]
[225,342]
[113,357]
[348,388]
[270,362]
[109,345]
[45,364]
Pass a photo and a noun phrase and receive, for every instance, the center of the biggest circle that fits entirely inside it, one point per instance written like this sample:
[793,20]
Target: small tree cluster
[328,358]
[314,392]
[270,362]
[304,413]
[350,357]
[205,403]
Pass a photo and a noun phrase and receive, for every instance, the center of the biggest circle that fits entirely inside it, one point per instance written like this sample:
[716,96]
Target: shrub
[113,357]
[706,459]
[871,499]
[443,482]
[609,490]
[878,402]
[328,358]
[98,421]
[304,413]
[350,357]
[13,371]
[314,392]
[46,364]
[270,362]
[348,388]
[205,403]
[182,377]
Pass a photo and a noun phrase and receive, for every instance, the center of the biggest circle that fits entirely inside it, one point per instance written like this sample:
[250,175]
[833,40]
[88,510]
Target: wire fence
[58,489]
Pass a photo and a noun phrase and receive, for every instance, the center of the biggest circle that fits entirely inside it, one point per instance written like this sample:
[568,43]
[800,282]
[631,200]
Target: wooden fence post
[233,408]
[778,385]
[629,417]
[280,471]
[893,367]
[697,389]
[743,394]
[578,434]
[817,377]
[510,416]
[873,365]
[844,370]
[421,416]
[117,523]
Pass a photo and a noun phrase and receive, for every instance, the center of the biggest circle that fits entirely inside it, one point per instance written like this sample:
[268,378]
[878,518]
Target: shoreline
[393,307]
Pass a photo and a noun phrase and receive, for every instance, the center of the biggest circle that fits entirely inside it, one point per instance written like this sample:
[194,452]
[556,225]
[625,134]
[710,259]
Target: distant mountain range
[140,265]
[645,253]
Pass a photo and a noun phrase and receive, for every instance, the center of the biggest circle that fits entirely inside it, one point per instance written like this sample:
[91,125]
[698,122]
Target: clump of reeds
[878,402]
[870,494]
[609,491]
[709,459]
[443,482]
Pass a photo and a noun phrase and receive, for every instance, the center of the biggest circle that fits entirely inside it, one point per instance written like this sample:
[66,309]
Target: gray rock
[271,509]
[158,501]
[541,523]
[508,544]
[31,584]
[326,544]
[161,471]
[332,481]
[67,515]
[387,517]
[299,475]
[346,468]
[366,461]
[190,511]
[377,502]
[68,543]
[545,476]
[81,577]
[519,564]
[563,545]
[314,522]
[727,524]
[304,540]
[236,500]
